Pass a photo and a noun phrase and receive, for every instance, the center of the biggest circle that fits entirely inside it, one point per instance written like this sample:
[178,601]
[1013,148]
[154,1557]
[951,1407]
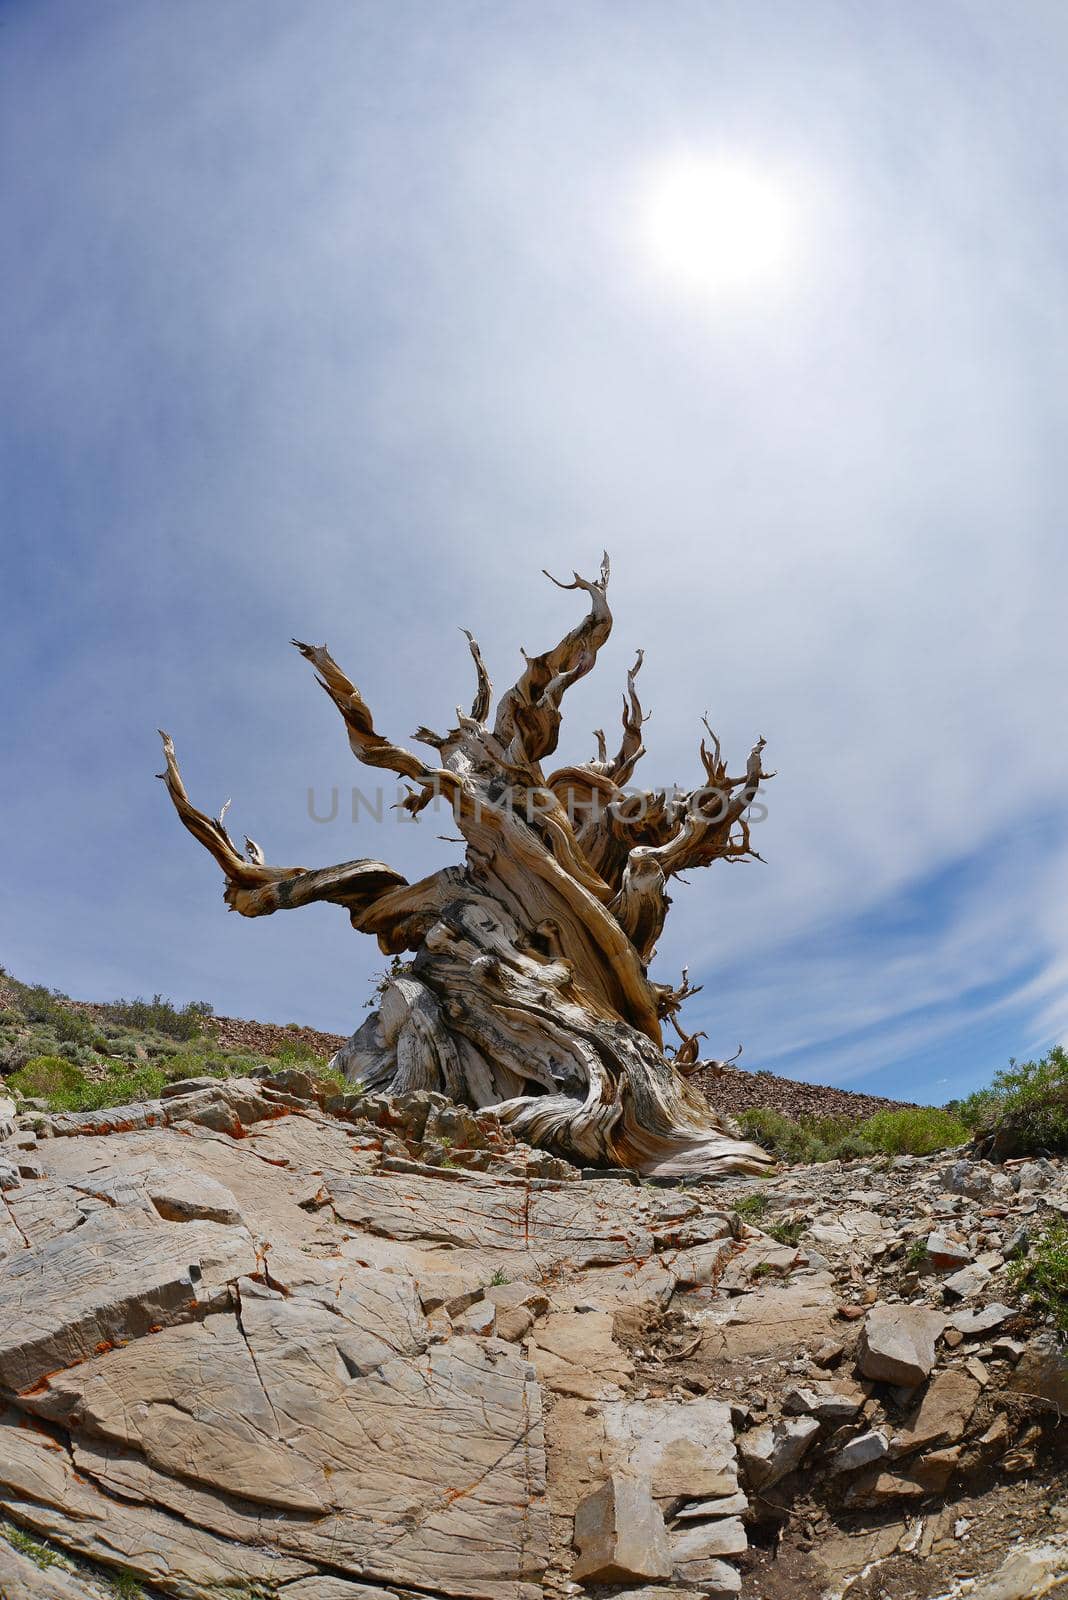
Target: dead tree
[527,987]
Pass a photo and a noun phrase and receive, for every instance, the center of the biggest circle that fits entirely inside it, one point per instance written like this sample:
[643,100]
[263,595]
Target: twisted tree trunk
[527,988]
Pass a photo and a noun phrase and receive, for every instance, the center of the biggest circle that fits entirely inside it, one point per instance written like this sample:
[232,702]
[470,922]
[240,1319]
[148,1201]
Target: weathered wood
[528,985]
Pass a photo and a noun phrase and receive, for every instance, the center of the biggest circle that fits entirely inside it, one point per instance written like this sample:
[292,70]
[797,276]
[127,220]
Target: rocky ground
[261,1337]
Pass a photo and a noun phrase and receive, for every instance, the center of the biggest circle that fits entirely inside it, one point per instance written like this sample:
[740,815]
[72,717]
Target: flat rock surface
[260,1339]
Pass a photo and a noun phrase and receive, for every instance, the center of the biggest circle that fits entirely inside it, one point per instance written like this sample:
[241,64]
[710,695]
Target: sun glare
[715,226]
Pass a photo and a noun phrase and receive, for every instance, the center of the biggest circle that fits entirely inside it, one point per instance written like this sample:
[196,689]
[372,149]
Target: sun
[718,225]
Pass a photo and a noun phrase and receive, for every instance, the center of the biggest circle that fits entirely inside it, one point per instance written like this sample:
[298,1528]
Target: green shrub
[119,1088]
[125,1586]
[46,1077]
[48,1007]
[1041,1278]
[918,1131]
[784,1232]
[41,1554]
[1025,1109]
[295,1053]
[808,1140]
[752,1206]
[160,1015]
[779,1135]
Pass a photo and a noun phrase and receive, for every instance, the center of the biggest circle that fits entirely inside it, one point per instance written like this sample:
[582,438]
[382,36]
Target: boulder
[944,1412]
[620,1534]
[773,1450]
[897,1344]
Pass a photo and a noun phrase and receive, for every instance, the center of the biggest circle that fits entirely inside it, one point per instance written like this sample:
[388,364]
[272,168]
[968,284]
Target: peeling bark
[528,985]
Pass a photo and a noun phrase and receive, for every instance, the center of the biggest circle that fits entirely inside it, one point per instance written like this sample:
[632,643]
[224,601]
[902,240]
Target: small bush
[809,1140]
[49,1008]
[295,1053]
[788,1233]
[46,1077]
[1041,1278]
[119,1088]
[752,1206]
[160,1015]
[125,1586]
[42,1555]
[920,1131]
[1024,1111]
[779,1135]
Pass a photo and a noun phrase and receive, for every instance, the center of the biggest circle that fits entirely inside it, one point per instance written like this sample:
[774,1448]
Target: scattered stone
[981,1320]
[728,1505]
[968,1282]
[943,1251]
[944,1412]
[725,1537]
[1042,1370]
[829,1405]
[1029,1574]
[773,1450]
[620,1534]
[717,1579]
[897,1344]
[860,1452]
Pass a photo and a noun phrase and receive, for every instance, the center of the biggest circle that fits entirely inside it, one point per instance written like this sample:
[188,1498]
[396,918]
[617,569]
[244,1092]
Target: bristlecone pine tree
[528,987]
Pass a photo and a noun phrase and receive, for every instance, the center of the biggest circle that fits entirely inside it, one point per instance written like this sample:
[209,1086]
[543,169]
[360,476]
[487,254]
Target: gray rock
[947,1252]
[725,1537]
[186,1086]
[718,1580]
[1029,1574]
[1042,1370]
[982,1320]
[1016,1243]
[620,1534]
[861,1452]
[108,1283]
[897,1344]
[773,1450]
[9,1175]
[1035,1176]
[968,1282]
[190,1196]
[828,1405]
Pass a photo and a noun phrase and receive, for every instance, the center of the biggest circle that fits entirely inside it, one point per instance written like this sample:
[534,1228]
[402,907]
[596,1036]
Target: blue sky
[340,321]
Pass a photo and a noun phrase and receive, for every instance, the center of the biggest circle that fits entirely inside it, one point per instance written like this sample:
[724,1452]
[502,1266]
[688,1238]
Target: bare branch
[367,745]
[484,692]
[528,717]
[632,749]
[255,889]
